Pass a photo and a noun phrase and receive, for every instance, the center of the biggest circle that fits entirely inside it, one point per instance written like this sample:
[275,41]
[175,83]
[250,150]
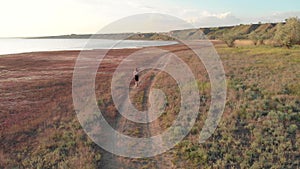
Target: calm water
[12,46]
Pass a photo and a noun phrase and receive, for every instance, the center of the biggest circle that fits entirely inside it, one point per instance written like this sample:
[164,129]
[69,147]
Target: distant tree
[229,38]
[288,34]
[258,38]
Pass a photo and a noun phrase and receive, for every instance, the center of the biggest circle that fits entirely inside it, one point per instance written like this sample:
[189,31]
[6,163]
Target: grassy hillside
[260,125]
[243,31]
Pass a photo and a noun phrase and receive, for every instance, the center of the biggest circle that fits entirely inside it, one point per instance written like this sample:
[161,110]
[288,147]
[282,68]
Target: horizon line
[204,27]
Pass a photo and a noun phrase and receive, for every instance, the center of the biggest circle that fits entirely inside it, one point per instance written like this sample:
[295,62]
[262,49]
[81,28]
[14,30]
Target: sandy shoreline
[72,50]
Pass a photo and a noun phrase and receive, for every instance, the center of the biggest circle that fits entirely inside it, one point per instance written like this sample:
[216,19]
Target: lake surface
[12,46]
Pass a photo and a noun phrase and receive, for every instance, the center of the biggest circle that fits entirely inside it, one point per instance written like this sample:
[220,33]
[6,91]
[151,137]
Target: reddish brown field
[36,100]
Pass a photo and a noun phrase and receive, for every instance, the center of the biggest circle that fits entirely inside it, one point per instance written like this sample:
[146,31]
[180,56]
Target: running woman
[136,77]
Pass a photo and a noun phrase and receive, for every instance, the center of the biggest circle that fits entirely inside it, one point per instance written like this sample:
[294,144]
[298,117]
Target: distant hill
[189,34]
[217,32]
[129,36]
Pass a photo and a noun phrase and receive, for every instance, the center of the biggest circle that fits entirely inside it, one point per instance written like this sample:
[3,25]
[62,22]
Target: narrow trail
[163,160]
[122,124]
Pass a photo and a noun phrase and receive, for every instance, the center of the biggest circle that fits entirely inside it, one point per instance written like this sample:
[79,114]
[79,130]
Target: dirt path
[130,128]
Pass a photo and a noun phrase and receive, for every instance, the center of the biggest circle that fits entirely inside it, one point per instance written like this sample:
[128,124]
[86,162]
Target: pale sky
[20,18]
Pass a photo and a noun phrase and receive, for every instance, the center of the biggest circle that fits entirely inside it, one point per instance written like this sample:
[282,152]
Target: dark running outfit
[136,78]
